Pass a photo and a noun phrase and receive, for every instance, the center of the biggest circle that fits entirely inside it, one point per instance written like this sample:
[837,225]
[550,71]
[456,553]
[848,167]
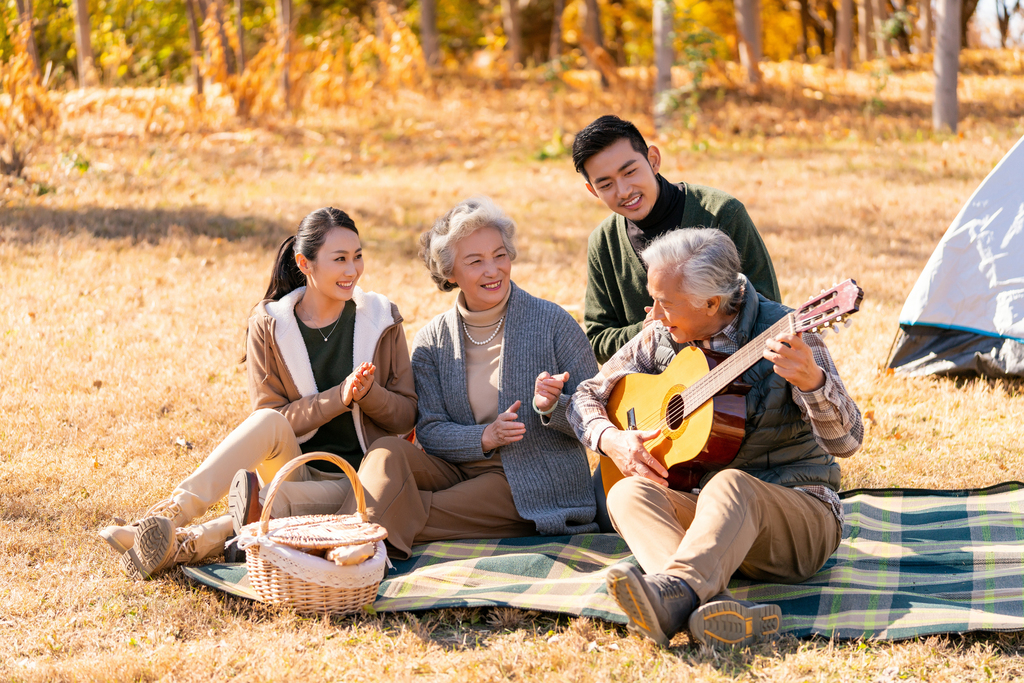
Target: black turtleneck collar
[665,215]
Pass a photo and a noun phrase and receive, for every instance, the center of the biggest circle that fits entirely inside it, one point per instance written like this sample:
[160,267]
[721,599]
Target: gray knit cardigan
[547,470]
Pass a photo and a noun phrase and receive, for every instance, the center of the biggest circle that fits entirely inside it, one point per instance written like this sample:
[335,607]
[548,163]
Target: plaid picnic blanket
[912,563]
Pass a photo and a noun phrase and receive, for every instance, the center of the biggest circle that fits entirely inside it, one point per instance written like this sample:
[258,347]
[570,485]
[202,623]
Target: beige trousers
[263,443]
[419,498]
[737,523]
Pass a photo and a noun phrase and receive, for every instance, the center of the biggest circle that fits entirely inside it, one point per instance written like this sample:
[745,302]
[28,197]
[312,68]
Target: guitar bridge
[631,419]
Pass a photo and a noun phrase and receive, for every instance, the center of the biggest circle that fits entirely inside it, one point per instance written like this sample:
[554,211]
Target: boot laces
[186,539]
[165,508]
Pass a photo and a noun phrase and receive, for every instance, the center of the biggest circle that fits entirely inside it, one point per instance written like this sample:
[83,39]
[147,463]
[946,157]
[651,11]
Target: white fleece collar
[373,316]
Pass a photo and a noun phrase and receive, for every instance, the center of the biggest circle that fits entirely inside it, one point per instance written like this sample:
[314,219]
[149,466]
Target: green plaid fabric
[562,574]
[912,563]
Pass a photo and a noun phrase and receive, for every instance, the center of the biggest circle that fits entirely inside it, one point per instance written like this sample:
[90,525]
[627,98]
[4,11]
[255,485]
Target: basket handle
[292,465]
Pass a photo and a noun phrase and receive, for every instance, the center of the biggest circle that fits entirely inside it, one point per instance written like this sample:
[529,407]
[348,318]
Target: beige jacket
[280,375]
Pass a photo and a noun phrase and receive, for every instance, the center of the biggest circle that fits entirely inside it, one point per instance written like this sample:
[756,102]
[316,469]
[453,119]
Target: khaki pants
[419,498]
[263,443]
[737,523]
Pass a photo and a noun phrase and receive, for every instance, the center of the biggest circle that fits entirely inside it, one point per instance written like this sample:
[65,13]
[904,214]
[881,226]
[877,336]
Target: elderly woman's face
[482,269]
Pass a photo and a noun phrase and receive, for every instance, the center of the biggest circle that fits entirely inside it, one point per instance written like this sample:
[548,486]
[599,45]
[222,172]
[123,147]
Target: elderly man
[773,513]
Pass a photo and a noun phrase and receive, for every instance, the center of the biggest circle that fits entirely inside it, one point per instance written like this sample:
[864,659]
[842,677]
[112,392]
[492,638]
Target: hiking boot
[159,546]
[657,604]
[724,621]
[121,536]
[244,499]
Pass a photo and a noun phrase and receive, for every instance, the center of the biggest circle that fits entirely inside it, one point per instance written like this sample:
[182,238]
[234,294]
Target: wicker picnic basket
[280,559]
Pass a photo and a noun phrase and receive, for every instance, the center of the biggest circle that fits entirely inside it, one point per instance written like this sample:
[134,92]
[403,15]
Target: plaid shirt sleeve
[587,414]
[834,417]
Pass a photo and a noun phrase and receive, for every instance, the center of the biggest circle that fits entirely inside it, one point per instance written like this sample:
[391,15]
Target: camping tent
[966,313]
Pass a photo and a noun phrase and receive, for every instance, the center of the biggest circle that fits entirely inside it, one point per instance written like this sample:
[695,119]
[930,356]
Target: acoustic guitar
[697,402]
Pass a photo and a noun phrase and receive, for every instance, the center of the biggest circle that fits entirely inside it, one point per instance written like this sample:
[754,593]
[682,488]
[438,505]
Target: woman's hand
[504,430]
[794,362]
[547,389]
[358,383]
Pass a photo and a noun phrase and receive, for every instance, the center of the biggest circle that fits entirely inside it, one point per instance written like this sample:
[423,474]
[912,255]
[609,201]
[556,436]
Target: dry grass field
[131,256]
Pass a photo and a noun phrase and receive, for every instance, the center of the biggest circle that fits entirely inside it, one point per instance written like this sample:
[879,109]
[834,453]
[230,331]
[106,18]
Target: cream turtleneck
[483,374]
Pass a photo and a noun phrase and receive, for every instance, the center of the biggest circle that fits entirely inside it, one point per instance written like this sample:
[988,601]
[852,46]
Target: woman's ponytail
[285,276]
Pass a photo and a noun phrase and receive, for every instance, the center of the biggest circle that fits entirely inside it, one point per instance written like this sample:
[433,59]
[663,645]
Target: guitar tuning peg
[822,332]
[847,322]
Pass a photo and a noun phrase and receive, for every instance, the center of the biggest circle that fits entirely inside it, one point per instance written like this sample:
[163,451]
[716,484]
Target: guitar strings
[743,356]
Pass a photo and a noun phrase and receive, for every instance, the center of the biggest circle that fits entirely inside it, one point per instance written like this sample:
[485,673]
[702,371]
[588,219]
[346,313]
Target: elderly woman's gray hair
[704,263]
[437,245]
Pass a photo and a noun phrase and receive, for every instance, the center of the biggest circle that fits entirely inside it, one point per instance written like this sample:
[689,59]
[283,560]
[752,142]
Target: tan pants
[765,531]
[419,498]
[263,443]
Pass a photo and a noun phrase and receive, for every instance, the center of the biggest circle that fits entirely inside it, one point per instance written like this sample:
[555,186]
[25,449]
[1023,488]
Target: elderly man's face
[624,179]
[482,269]
[687,319]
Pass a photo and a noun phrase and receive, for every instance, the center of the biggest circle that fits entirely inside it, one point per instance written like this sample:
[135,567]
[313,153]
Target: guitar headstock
[829,308]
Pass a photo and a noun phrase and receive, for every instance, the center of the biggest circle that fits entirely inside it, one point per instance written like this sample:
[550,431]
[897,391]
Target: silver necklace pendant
[319,329]
[485,341]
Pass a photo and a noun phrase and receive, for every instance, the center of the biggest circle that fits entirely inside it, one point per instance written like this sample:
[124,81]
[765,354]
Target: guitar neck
[704,389]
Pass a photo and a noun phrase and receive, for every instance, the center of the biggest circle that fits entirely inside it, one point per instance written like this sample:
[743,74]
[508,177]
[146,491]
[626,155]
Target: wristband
[537,410]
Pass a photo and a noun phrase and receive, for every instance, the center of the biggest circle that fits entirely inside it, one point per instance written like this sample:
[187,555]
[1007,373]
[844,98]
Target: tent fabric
[966,311]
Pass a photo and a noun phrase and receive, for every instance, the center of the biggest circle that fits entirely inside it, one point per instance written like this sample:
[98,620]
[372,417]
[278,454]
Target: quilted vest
[779,446]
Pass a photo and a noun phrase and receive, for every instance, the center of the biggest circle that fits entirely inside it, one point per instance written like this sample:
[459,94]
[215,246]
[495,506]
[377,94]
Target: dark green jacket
[617,280]
[779,446]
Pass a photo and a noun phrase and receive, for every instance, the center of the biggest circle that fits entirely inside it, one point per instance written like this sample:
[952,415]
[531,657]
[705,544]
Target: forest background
[139,216]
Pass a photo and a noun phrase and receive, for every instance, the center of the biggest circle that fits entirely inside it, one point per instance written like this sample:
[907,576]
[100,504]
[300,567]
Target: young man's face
[624,179]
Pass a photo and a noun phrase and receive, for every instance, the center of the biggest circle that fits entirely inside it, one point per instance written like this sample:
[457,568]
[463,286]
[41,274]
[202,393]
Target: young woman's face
[338,265]
[482,269]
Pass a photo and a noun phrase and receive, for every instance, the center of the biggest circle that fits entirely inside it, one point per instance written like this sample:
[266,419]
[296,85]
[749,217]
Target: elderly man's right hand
[627,451]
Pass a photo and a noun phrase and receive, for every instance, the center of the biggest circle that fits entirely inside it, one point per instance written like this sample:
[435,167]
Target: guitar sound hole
[674,412]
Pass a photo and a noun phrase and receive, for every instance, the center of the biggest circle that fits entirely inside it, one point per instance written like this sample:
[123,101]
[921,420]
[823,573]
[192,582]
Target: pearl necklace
[485,341]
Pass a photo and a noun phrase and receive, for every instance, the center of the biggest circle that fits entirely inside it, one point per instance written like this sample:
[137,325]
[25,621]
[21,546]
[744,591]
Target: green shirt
[617,281]
[331,361]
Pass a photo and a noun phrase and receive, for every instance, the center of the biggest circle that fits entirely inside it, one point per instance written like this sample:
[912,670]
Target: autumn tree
[748,26]
[83,43]
[428,32]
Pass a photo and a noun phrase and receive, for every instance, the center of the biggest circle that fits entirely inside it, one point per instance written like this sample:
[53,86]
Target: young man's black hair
[600,135]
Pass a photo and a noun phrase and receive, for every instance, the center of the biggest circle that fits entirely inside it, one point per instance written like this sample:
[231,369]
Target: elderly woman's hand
[358,383]
[547,389]
[504,430]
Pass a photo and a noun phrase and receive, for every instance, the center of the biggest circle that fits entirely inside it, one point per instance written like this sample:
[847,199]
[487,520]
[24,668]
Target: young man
[773,513]
[622,171]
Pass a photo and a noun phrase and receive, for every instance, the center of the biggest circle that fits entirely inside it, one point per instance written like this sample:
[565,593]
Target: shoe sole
[625,588]
[240,505]
[729,623]
[112,542]
[154,548]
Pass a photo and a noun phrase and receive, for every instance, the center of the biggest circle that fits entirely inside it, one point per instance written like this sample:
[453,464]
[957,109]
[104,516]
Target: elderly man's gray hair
[703,262]
[437,245]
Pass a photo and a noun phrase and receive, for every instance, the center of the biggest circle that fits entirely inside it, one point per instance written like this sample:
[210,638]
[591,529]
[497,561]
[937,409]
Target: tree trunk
[664,19]
[229,55]
[513,30]
[844,34]
[805,25]
[966,12]
[25,19]
[239,9]
[927,25]
[83,43]
[197,44]
[880,13]
[828,30]
[555,49]
[865,24]
[592,22]
[947,64]
[284,25]
[748,25]
[428,33]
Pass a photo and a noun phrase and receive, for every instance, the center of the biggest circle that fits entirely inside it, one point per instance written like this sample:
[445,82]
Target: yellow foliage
[781,40]
[26,109]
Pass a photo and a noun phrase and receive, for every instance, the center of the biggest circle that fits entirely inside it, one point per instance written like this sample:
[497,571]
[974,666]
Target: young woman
[328,371]
[494,375]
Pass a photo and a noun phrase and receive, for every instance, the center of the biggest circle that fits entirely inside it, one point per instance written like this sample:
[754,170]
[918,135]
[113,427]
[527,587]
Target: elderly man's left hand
[794,362]
[547,389]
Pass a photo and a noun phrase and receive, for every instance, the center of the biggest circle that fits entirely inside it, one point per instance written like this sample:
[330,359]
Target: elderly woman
[494,375]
